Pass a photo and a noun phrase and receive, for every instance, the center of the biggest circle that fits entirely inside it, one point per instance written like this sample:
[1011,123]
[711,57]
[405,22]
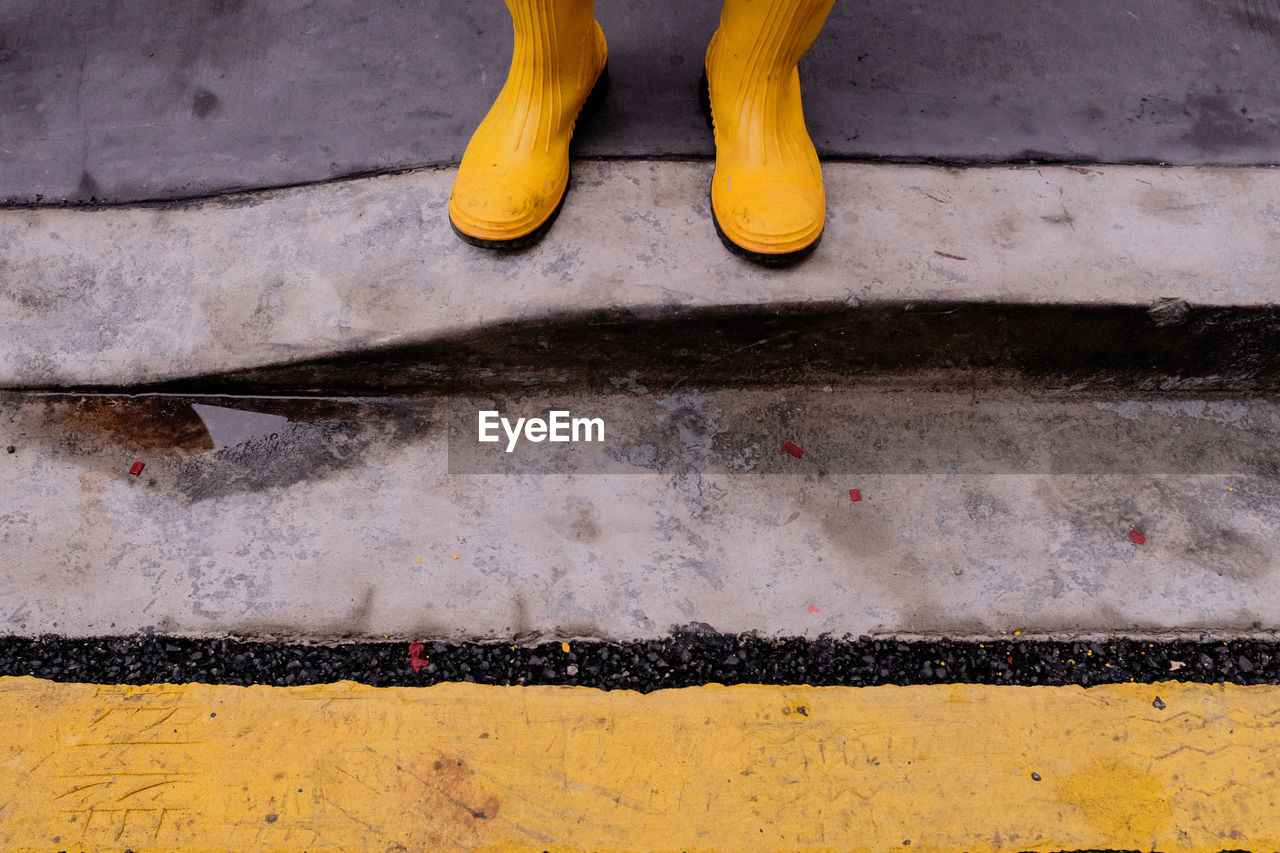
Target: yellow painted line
[458,766]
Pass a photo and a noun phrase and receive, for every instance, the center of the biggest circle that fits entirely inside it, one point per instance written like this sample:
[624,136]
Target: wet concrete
[980,511]
[152,100]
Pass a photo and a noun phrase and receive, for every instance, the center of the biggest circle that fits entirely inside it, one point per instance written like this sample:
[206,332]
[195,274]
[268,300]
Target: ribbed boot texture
[767,195]
[515,171]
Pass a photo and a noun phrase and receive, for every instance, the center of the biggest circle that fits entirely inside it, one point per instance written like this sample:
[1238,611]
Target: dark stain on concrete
[1220,124]
[358,621]
[321,439]
[86,426]
[204,103]
[307,450]
[1256,17]
[869,553]
[225,8]
[1159,110]
[1119,346]
[984,508]
[1227,551]
[88,187]
[583,522]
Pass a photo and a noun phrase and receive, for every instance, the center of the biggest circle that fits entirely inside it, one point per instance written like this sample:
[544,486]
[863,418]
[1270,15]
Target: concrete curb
[1185,259]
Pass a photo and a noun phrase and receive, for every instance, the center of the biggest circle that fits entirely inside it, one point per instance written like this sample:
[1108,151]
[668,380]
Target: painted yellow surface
[348,767]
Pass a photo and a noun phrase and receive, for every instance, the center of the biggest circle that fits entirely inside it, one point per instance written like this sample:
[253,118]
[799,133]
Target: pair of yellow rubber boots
[767,198]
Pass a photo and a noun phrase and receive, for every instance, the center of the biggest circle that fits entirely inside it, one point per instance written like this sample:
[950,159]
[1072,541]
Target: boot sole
[763,259]
[589,107]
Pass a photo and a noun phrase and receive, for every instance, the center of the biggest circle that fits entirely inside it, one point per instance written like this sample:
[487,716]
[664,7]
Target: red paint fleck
[792,449]
[137,467]
[949,255]
[415,659]
[813,609]
[855,495]
[1137,538]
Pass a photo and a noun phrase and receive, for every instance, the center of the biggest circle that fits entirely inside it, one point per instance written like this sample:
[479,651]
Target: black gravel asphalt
[687,658]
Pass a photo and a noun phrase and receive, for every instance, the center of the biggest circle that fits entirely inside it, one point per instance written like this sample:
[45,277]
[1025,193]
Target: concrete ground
[979,512]
[151,99]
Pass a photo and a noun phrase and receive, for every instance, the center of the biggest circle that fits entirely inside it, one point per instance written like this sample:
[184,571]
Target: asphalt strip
[686,658]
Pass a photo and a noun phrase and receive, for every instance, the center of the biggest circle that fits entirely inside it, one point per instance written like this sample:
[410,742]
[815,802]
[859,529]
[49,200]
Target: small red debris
[792,449]
[948,255]
[855,495]
[1137,538]
[136,470]
[813,609]
[415,649]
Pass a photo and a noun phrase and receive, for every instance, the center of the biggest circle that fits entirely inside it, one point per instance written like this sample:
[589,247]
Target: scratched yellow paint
[354,768]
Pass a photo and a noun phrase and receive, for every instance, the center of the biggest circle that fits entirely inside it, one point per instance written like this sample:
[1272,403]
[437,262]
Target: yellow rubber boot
[515,171]
[766,196]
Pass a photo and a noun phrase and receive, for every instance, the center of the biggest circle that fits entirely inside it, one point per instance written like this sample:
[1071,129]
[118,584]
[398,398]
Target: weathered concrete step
[1157,274]
[981,511]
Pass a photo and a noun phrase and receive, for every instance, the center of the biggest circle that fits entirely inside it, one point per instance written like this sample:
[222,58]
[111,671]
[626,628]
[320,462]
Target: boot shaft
[555,40]
[557,53]
[770,36]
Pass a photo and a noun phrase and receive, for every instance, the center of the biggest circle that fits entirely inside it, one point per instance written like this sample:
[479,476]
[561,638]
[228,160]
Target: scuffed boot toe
[770,223]
[494,209]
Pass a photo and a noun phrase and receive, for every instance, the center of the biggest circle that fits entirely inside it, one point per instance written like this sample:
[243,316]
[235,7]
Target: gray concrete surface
[143,294]
[986,507]
[151,99]
[982,513]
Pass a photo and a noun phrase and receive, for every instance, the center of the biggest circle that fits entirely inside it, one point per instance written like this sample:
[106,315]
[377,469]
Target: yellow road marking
[355,768]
